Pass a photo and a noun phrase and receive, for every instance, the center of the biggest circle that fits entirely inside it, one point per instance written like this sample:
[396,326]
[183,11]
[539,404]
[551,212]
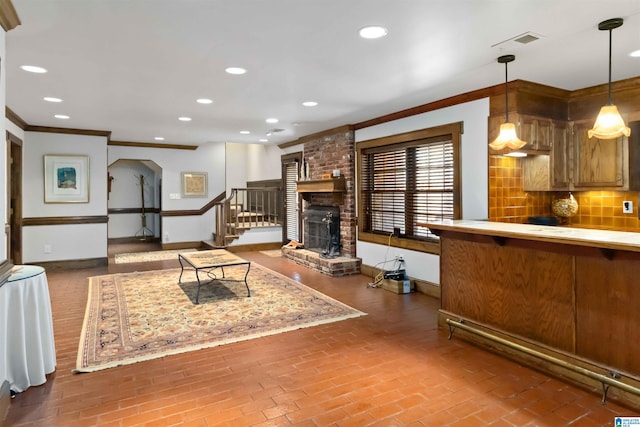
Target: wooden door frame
[14,202]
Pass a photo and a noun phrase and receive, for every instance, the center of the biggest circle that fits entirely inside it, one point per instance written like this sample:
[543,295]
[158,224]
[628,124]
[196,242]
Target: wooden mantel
[336,186]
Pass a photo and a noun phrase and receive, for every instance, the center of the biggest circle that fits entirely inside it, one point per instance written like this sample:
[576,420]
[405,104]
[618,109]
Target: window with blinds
[408,182]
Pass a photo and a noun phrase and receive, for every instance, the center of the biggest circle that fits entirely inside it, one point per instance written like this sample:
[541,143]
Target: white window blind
[291,199]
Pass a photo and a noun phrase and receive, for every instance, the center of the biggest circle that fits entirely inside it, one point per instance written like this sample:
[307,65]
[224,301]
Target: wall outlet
[627,206]
[47,249]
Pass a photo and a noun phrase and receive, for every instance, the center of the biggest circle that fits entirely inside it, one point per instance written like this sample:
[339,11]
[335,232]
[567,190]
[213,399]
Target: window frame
[453,131]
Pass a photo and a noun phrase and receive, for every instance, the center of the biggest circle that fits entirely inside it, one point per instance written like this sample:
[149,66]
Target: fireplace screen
[322,230]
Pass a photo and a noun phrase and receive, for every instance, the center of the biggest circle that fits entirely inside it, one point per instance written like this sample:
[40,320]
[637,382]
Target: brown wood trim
[8,16]
[524,86]
[132,239]
[603,89]
[132,210]
[49,129]
[291,157]
[5,271]
[152,145]
[182,245]
[265,183]
[254,247]
[74,264]
[432,106]
[318,135]
[14,118]
[220,197]
[414,135]
[398,242]
[65,220]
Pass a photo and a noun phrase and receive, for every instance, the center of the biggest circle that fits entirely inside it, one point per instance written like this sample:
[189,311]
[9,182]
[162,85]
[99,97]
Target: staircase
[244,209]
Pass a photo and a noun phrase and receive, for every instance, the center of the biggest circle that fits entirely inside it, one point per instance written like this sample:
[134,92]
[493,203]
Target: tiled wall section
[597,209]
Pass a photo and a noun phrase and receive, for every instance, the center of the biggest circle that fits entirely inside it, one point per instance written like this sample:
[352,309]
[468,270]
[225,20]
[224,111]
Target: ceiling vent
[274,130]
[518,41]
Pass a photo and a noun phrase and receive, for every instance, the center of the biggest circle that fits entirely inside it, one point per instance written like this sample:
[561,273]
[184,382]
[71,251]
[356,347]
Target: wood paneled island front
[568,292]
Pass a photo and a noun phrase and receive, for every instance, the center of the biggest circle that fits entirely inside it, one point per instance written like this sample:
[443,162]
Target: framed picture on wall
[194,184]
[66,178]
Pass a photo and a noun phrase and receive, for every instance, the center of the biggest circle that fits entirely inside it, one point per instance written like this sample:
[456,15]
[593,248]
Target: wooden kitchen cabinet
[597,163]
[579,163]
[549,172]
[537,131]
[560,156]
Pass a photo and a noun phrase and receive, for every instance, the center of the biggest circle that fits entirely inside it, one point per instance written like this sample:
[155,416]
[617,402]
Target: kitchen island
[569,293]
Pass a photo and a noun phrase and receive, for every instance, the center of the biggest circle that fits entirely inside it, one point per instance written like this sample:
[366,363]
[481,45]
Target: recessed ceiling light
[263,140]
[204,101]
[61,116]
[245,132]
[635,54]
[159,138]
[235,70]
[51,99]
[184,119]
[272,120]
[309,103]
[33,69]
[372,32]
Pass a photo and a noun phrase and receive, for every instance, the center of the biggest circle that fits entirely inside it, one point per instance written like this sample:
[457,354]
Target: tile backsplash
[597,209]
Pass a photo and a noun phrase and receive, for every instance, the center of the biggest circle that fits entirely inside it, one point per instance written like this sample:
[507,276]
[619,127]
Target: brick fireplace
[333,151]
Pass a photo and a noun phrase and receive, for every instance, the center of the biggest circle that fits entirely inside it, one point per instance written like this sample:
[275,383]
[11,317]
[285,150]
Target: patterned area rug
[149,256]
[132,317]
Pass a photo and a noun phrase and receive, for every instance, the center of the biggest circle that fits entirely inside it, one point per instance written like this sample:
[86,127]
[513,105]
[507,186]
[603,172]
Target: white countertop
[620,240]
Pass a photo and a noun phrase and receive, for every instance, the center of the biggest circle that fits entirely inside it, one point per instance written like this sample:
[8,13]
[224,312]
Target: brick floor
[392,367]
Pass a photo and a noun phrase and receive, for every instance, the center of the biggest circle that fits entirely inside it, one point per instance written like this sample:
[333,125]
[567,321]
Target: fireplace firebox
[322,230]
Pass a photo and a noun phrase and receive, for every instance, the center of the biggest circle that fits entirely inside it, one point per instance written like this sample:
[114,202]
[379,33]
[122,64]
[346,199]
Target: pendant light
[507,137]
[609,124]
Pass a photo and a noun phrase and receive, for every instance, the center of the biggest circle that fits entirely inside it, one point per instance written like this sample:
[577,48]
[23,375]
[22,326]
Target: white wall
[209,158]
[474,186]
[64,242]
[236,164]
[263,162]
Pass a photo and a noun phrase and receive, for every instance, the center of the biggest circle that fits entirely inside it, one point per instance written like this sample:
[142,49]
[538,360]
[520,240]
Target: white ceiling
[134,66]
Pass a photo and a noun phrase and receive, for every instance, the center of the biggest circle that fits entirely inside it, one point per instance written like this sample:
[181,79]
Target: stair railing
[244,209]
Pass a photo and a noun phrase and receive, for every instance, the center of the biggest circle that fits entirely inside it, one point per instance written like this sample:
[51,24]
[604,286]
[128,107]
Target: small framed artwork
[66,178]
[194,184]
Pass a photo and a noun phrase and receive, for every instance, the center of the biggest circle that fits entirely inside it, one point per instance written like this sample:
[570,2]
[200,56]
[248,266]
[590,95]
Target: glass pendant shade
[609,124]
[507,138]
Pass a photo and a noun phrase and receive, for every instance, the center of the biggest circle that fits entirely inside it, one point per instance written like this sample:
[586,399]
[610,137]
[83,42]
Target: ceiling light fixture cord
[610,44]
[506,90]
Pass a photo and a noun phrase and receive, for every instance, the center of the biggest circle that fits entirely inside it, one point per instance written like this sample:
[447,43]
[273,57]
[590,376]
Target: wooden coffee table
[208,262]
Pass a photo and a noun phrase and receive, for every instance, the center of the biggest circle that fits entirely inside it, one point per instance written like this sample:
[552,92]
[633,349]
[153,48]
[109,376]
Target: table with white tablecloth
[27,348]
